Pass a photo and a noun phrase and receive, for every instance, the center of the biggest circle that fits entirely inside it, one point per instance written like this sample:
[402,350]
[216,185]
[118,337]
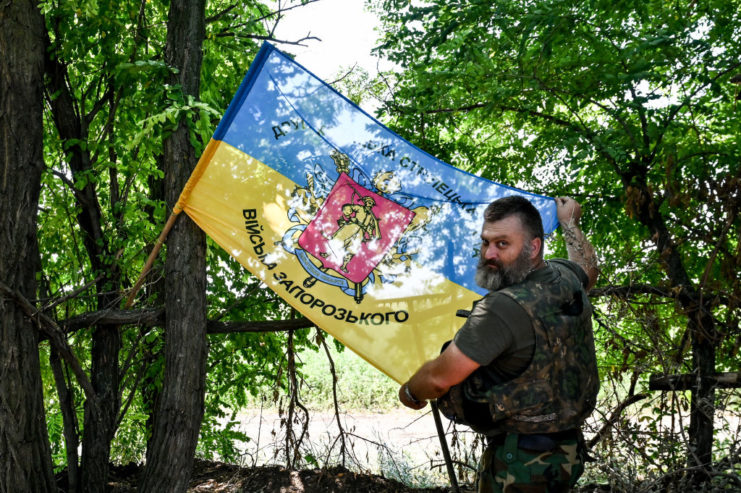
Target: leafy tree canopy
[614,103]
[630,107]
[110,104]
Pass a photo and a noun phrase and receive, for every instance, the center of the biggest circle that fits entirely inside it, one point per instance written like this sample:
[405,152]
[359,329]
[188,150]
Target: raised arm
[578,247]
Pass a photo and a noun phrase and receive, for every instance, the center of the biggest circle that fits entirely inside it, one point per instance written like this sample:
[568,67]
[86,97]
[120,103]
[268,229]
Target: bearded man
[522,369]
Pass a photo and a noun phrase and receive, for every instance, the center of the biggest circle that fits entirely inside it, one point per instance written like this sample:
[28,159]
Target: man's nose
[491,253]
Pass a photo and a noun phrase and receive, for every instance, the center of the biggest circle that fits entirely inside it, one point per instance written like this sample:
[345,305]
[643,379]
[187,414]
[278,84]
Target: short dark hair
[516,205]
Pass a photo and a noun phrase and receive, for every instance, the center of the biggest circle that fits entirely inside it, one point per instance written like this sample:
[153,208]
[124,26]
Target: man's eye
[502,244]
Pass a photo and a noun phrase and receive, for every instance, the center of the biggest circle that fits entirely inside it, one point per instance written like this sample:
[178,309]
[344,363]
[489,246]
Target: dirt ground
[410,437]
[214,477]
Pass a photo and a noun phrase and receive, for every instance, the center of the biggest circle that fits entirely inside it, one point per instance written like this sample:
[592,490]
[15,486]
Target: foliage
[629,107]
[361,387]
[103,157]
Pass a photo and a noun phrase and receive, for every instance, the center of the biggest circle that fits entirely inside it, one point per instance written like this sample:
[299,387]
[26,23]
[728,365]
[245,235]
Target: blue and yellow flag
[371,238]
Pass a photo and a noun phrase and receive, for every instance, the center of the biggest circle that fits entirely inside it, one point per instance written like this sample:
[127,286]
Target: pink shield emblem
[354,229]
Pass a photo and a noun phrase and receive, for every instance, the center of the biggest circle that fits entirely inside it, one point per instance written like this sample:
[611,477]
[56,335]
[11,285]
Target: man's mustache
[490,263]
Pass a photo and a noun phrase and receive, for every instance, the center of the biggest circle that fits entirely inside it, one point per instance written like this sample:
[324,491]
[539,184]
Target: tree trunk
[700,326]
[101,415]
[25,455]
[180,408]
[702,406]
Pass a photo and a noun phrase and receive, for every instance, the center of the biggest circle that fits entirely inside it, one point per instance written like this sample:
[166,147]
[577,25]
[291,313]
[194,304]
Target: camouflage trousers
[508,467]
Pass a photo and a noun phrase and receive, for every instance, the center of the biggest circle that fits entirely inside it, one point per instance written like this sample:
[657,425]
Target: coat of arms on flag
[355,229]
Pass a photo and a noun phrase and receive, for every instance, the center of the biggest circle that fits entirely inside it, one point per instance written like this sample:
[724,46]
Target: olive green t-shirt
[499,333]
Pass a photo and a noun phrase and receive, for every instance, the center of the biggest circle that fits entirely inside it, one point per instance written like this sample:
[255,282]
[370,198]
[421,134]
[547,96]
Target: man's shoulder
[499,308]
[563,264]
[495,325]
[495,302]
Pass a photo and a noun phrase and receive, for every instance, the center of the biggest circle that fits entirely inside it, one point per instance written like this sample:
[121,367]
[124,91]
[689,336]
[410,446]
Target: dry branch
[616,413]
[57,337]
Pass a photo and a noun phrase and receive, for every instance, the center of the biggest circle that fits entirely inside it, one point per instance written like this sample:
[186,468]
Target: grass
[360,385]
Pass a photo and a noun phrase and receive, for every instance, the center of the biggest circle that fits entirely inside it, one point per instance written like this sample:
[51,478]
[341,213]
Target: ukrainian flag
[371,238]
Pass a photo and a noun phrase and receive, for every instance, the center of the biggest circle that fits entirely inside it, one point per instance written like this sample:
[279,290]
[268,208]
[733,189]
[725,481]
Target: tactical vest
[558,390]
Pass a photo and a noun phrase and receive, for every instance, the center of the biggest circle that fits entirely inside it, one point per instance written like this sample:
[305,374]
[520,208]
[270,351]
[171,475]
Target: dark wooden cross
[731,380]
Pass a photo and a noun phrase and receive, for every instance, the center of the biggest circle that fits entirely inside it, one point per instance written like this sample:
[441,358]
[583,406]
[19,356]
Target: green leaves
[144,72]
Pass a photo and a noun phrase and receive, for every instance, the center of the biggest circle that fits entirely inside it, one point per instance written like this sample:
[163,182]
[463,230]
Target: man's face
[506,254]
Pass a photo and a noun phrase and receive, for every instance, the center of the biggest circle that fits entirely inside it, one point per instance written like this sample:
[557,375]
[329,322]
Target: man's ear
[536,244]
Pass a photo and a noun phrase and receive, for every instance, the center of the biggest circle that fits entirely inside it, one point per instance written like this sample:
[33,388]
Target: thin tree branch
[343,446]
[236,302]
[343,77]
[97,106]
[69,420]
[130,398]
[460,109]
[71,295]
[714,254]
[614,416]
[66,181]
[56,337]
[214,327]
[626,292]
[298,42]
[278,12]
[221,14]
[150,317]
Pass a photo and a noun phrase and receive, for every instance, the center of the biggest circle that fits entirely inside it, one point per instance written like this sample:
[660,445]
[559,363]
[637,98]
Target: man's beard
[503,276]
